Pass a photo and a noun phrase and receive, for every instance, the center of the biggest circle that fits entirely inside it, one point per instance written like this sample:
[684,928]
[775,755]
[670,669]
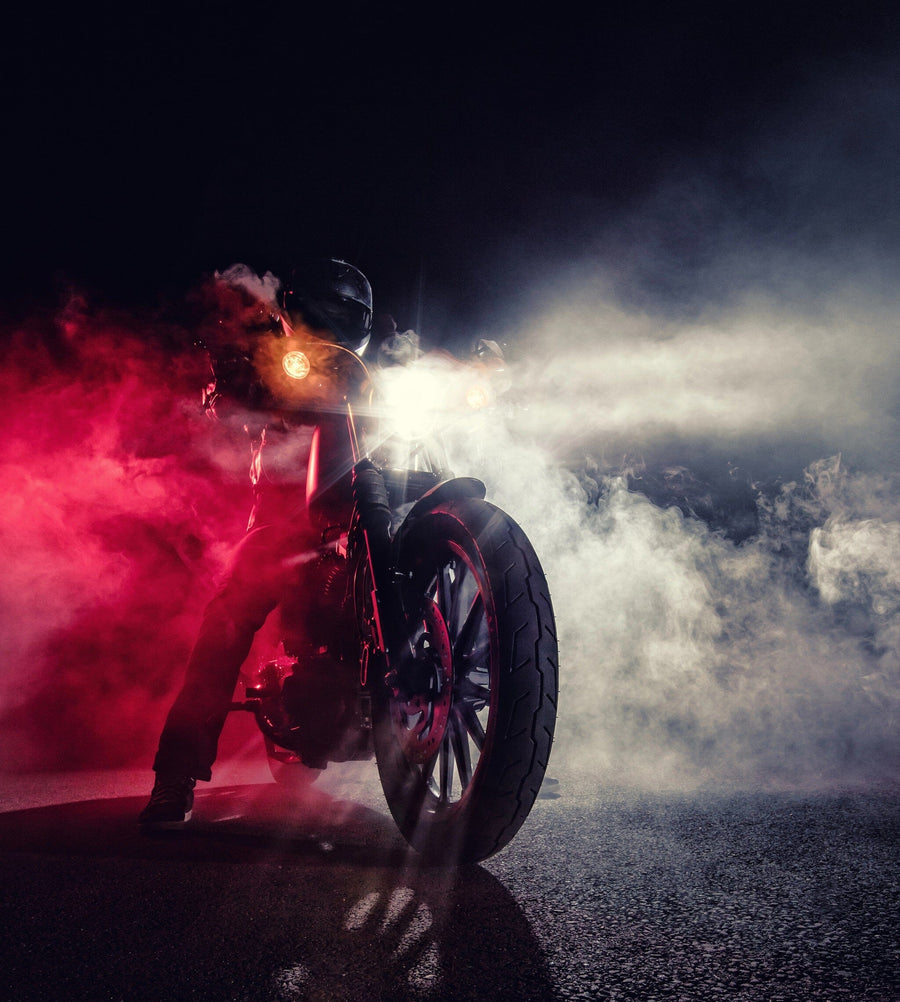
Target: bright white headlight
[411,398]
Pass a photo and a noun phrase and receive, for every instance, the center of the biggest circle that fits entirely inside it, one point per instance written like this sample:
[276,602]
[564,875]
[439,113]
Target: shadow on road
[260,897]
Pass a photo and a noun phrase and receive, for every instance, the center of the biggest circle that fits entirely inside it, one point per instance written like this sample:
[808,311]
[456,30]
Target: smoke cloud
[711,630]
[117,500]
[760,375]
[725,577]
[702,442]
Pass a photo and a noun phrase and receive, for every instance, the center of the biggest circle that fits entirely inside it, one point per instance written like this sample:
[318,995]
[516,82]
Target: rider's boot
[171,802]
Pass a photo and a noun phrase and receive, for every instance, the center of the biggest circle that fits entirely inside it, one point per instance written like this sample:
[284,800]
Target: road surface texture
[605,894]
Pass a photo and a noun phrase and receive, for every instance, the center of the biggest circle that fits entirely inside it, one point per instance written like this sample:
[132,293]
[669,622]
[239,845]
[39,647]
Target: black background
[457,153]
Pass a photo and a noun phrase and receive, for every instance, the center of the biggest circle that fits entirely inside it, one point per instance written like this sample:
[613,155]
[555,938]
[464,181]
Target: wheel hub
[422,706]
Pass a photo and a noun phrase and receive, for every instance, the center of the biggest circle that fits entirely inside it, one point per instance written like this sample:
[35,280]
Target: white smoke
[760,372]
[691,655]
[856,561]
[265,287]
[702,441]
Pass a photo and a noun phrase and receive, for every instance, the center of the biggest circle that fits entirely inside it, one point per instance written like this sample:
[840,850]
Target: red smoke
[119,499]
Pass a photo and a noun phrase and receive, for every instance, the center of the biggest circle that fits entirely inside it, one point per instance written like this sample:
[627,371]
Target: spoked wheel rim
[443,727]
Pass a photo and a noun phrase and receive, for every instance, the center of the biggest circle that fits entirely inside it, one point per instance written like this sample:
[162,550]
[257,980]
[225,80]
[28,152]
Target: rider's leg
[263,565]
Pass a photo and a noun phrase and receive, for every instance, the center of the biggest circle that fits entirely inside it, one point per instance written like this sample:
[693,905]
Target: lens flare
[295,365]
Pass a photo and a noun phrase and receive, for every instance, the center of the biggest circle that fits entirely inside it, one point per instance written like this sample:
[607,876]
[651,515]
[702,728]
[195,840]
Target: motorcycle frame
[355,546]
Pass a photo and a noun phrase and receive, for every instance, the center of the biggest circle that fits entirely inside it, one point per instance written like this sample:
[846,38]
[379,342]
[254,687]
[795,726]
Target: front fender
[455,489]
[447,490]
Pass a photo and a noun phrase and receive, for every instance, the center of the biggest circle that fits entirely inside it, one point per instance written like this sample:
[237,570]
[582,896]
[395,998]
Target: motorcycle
[424,635]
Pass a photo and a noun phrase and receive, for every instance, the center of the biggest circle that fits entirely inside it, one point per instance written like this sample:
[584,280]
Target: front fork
[372,531]
[400,666]
[372,525]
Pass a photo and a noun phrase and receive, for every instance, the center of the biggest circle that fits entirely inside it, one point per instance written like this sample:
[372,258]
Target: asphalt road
[605,894]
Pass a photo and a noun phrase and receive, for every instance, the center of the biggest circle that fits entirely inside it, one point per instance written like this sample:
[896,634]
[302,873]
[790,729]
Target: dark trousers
[267,562]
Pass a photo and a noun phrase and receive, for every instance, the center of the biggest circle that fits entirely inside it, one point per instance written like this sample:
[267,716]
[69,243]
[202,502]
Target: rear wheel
[463,730]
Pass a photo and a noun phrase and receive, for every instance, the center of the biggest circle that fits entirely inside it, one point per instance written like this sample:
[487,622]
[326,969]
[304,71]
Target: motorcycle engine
[310,697]
[320,702]
[313,616]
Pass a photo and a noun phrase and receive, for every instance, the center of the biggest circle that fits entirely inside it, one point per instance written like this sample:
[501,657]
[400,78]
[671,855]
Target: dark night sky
[460,150]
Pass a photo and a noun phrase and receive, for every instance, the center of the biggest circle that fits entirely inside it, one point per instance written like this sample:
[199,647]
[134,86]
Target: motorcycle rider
[333,299]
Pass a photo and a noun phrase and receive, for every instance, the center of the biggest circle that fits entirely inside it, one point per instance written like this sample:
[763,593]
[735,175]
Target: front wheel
[464,727]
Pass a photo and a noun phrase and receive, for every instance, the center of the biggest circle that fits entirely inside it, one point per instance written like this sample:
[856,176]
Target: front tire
[463,731]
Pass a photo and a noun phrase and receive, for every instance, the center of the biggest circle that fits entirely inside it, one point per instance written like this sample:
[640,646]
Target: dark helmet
[332,295]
